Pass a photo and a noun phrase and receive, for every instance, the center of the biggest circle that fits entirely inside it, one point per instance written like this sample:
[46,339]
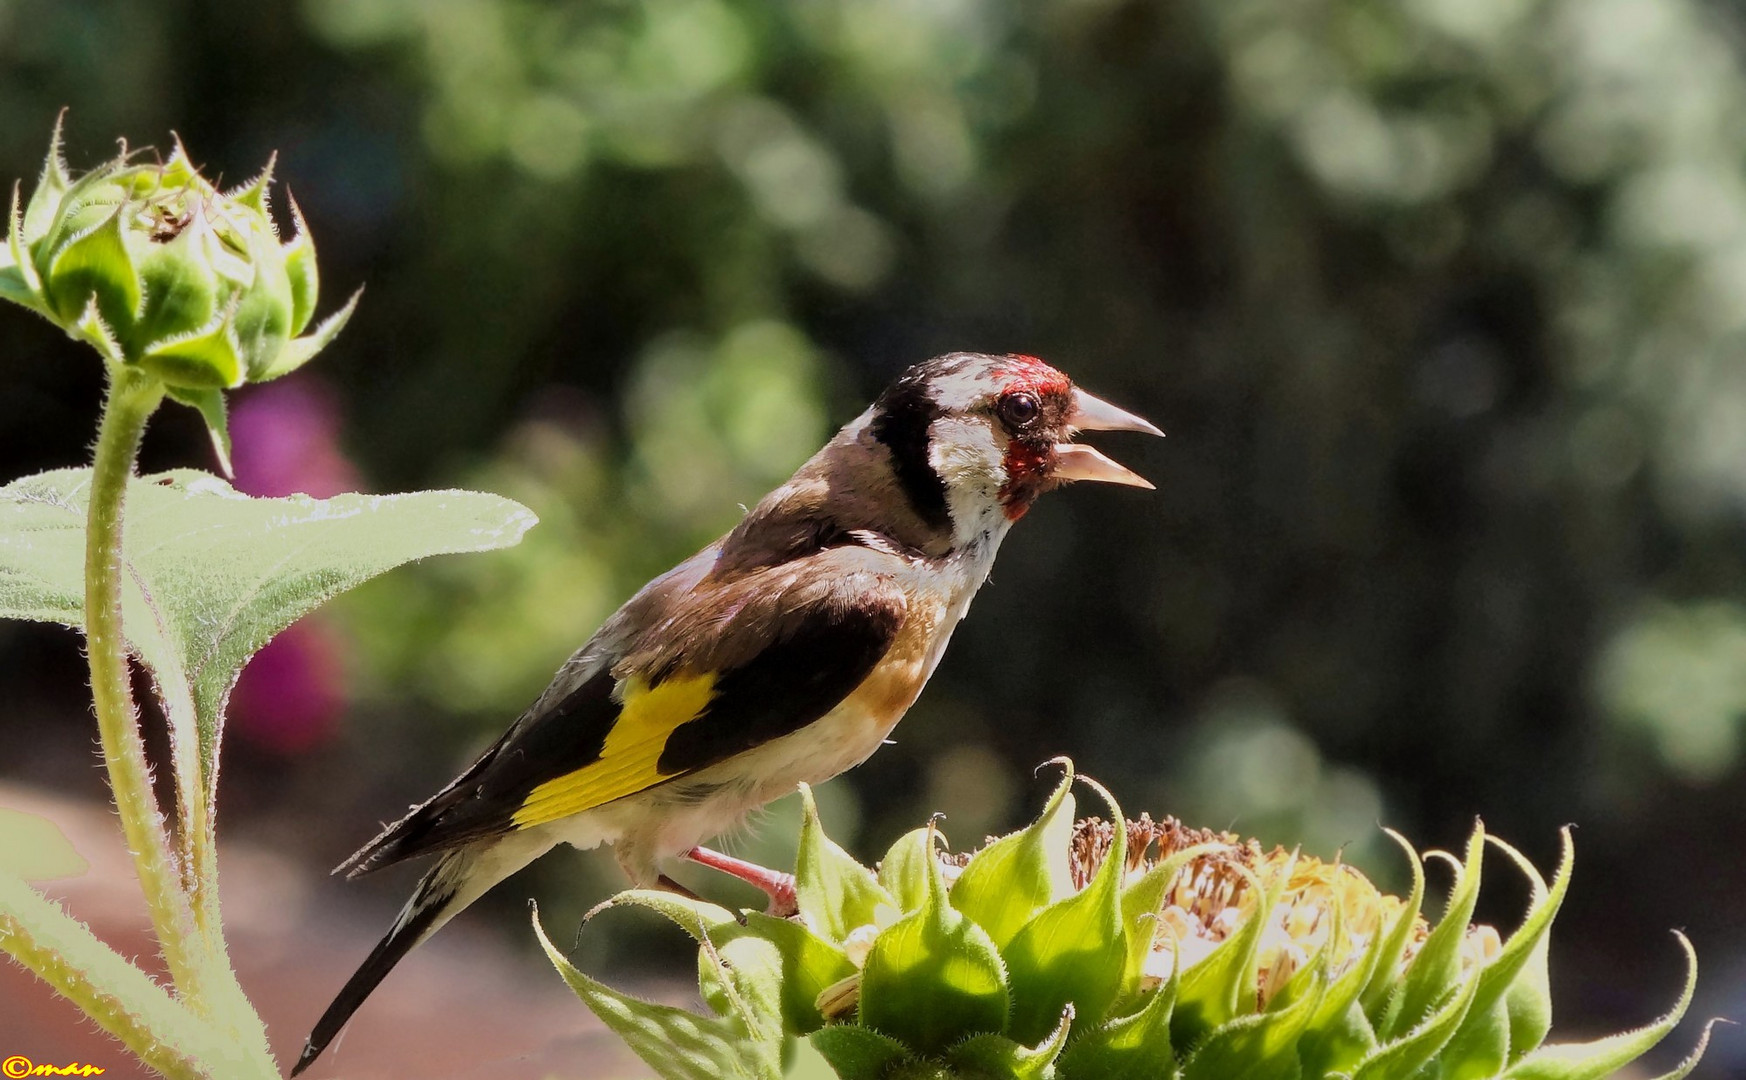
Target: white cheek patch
[964,454]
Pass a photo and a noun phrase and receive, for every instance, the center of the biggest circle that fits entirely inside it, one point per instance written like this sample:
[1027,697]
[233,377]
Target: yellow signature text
[18,1066]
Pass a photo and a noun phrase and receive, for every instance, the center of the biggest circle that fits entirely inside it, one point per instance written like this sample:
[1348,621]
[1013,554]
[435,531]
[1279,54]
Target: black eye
[1019,411]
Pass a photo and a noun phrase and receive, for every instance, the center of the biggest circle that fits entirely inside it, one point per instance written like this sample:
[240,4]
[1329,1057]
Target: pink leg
[779,887]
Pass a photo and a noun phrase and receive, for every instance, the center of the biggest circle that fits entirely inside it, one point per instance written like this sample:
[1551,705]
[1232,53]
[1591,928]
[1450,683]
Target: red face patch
[1027,468]
[1030,455]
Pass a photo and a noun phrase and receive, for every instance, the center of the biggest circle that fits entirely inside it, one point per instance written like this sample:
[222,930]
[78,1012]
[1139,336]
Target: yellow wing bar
[629,759]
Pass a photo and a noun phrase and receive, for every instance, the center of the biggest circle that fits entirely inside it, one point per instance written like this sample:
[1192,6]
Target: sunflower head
[1105,948]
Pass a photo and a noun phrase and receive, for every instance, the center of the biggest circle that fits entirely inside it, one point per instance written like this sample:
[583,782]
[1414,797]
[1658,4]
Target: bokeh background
[1442,303]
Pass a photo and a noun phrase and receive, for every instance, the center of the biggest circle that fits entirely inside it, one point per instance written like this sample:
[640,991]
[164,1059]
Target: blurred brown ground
[457,1008]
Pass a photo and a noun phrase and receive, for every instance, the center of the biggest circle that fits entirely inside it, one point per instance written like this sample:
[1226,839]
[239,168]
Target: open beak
[1074,461]
[1095,414]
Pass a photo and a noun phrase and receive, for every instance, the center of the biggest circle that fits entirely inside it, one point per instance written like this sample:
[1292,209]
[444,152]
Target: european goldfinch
[784,652]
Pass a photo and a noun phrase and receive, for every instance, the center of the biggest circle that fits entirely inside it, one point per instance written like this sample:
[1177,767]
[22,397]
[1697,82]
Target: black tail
[428,908]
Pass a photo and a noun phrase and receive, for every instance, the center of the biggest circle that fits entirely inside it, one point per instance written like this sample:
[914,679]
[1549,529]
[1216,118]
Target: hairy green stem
[188,931]
[132,399]
[113,993]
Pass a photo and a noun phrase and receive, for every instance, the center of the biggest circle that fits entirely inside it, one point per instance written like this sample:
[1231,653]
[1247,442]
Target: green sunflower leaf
[182,288]
[1528,1004]
[1258,1047]
[300,350]
[904,871]
[676,1043]
[810,965]
[835,893]
[1684,1068]
[50,186]
[210,575]
[117,996]
[1141,903]
[261,320]
[1437,967]
[858,1053]
[1336,1039]
[1600,1058]
[211,406]
[94,264]
[740,971]
[1339,1035]
[934,978]
[1222,987]
[18,271]
[1384,973]
[1074,951]
[1133,1047]
[16,288]
[1481,1048]
[1018,875]
[300,269]
[204,359]
[1007,1059]
[1406,1055]
[1484,1044]
[1528,1000]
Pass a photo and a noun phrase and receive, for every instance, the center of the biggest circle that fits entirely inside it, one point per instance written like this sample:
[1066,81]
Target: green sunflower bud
[159,270]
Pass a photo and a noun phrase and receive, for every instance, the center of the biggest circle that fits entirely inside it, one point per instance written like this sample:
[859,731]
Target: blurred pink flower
[286,440]
[291,696]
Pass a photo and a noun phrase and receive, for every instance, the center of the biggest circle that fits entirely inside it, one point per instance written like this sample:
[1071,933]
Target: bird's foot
[779,887]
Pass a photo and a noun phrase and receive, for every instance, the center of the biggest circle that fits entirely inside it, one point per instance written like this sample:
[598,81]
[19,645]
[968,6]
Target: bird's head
[974,439]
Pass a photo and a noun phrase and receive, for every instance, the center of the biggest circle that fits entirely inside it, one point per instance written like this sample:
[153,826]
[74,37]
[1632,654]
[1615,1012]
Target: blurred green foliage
[1441,301]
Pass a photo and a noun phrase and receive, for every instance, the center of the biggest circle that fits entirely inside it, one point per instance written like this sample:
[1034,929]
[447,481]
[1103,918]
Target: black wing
[815,653]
